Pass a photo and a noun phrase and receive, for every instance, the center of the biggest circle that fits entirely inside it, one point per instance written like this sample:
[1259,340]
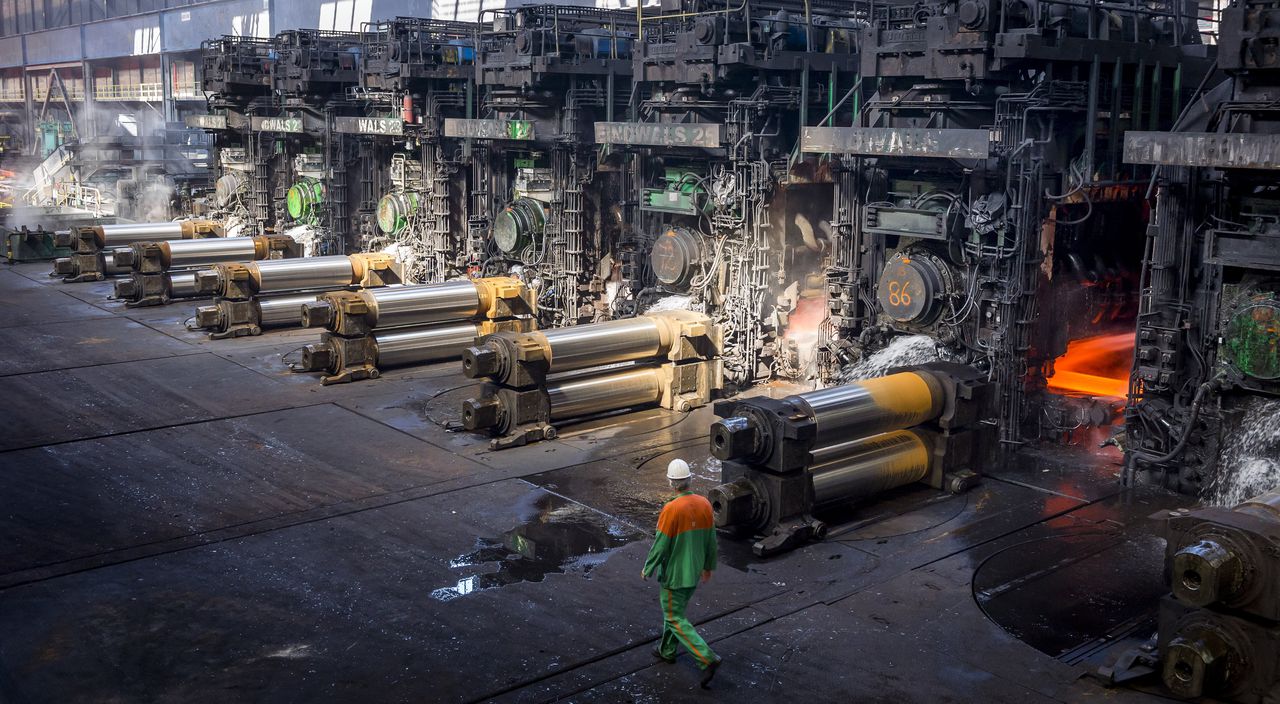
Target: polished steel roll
[298,274]
[1265,506]
[609,342]
[141,232]
[282,311]
[872,406]
[210,250]
[109,266]
[869,466]
[182,284]
[605,392]
[397,306]
[429,344]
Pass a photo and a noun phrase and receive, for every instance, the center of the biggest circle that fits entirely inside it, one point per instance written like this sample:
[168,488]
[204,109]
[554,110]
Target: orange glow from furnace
[806,319]
[1095,366]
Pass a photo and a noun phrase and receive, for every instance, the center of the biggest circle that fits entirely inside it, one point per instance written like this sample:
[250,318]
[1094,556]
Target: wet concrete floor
[184,520]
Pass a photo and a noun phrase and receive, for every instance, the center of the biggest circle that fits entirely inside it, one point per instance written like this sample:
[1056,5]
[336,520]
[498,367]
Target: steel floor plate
[188,521]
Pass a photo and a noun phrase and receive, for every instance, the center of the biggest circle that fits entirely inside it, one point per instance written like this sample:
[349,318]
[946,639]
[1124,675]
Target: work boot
[710,672]
[657,653]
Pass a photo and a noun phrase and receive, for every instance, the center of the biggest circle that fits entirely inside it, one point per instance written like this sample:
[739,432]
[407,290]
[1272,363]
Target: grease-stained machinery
[375,329]
[252,295]
[162,271]
[980,188]
[785,460]
[94,247]
[1208,334]
[1219,629]
[724,213]
[538,380]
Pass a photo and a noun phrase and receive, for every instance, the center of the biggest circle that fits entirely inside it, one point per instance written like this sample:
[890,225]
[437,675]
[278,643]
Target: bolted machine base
[80,267]
[141,290]
[1210,654]
[229,319]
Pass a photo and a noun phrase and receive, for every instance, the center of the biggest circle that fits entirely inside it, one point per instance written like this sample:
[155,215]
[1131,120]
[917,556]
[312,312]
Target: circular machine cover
[394,211]
[1252,340]
[304,198]
[518,225]
[909,287]
[675,257]
[227,188]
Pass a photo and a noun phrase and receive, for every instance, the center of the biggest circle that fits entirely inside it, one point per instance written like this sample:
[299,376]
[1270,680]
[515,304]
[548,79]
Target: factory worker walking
[683,551]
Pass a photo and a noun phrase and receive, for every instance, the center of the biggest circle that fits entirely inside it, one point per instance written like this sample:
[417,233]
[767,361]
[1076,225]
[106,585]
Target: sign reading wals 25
[707,136]
[488,129]
[276,124]
[369,125]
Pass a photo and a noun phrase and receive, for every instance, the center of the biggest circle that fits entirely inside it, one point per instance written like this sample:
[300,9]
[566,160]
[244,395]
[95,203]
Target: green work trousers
[676,628]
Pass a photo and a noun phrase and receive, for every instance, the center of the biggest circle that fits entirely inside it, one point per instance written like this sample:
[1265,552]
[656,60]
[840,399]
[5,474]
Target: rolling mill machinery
[979,187]
[1208,336]
[313,78]
[423,72]
[785,461]
[724,214]
[94,247]
[265,294]
[236,75]
[538,380]
[1219,629]
[543,202]
[375,329]
[162,271]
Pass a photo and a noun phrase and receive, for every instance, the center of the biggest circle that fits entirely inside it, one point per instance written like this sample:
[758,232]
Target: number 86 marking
[898,294]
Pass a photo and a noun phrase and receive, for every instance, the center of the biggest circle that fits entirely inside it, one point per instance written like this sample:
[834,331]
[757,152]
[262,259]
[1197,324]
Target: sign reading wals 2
[892,141]
[276,124]
[207,122]
[369,125]
[488,129]
[707,136]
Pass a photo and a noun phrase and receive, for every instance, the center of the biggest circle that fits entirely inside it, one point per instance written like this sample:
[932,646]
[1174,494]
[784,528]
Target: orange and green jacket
[685,544]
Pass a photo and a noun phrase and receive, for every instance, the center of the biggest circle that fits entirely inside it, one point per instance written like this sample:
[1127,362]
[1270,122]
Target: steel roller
[417,305]
[752,430]
[182,284]
[606,392]
[181,254]
[140,232]
[583,346]
[109,266]
[298,274]
[872,406]
[429,344]
[869,466]
[282,311]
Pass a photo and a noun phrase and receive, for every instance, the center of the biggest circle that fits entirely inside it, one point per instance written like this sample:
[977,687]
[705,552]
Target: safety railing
[40,92]
[12,95]
[145,92]
[188,91]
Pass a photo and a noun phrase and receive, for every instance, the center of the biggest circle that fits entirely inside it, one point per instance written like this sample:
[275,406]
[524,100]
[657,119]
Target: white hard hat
[678,469]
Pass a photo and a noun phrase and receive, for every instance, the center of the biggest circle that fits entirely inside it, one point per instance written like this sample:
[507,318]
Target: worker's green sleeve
[712,552]
[657,556]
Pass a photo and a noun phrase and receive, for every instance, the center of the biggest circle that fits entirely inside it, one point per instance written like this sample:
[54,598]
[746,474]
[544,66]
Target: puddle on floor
[555,536]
